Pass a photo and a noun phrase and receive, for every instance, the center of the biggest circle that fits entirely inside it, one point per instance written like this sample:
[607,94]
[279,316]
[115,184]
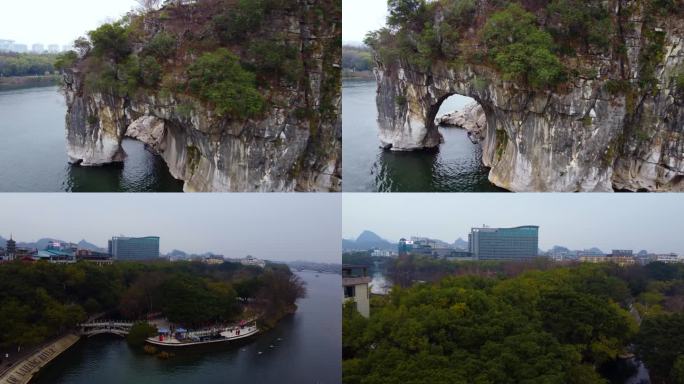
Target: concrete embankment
[23,371]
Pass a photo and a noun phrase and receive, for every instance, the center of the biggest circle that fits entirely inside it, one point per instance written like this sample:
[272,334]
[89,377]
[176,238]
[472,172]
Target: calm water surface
[309,351]
[33,152]
[455,167]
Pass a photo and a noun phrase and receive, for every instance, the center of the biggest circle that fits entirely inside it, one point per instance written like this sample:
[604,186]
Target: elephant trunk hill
[578,95]
[234,95]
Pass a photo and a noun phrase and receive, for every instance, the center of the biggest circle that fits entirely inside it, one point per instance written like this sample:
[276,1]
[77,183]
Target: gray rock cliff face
[282,150]
[584,138]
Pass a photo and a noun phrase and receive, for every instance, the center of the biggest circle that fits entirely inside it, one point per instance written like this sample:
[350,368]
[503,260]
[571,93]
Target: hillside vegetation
[356,58]
[222,53]
[540,43]
[26,64]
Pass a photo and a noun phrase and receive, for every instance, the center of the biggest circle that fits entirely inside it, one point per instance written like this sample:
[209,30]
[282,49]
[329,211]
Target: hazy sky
[271,226]
[361,16]
[56,21]
[654,222]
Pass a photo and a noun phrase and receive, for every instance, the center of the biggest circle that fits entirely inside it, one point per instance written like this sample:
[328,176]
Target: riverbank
[7,83]
[23,371]
[357,75]
[302,348]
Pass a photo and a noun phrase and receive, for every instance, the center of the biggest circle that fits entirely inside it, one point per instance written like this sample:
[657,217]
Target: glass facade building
[519,243]
[134,248]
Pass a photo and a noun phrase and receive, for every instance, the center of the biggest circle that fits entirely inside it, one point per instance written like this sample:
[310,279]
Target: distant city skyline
[57,22]
[280,227]
[576,221]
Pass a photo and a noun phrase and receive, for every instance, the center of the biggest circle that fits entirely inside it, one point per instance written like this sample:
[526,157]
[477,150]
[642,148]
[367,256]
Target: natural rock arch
[580,137]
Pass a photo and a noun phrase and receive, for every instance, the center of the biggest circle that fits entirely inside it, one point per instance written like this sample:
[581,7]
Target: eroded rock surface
[471,118]
[583,137]
[294,145]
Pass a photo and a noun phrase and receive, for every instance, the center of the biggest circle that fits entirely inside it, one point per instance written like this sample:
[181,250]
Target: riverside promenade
[23,371]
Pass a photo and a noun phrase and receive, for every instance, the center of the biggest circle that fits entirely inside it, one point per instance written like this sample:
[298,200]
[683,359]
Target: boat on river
[181,337]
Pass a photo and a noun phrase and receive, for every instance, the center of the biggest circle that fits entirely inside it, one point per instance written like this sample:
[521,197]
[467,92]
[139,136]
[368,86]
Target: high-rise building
[20,48]
[519,243]
[53,48]
[134,248]
[38,48]
[6,45]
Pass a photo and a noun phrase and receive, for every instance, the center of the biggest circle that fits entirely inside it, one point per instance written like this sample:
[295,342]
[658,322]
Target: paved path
[23,371]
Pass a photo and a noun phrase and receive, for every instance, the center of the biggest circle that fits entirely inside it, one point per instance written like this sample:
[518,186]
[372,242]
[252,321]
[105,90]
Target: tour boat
[182,338]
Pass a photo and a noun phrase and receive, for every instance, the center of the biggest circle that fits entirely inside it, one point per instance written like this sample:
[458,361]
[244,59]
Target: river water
[307,348]
[33,152]
[455,167]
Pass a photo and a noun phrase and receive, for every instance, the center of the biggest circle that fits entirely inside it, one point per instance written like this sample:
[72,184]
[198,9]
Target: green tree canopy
[218,78]
[520,49]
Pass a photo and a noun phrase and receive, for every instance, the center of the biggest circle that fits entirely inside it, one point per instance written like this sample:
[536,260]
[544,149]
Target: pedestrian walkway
[23,371]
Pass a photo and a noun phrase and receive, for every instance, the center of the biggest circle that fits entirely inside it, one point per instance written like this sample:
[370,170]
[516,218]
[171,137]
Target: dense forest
[532,42]
[42,300]
[26,64]
[356,58]
[220,52]
[519,323]
[363,258]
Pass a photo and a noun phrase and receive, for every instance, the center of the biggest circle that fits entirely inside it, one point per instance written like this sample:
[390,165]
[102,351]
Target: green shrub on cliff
[112,41]
[587,22]
[274,58]
[237,21]
[679,80]
[150,72]
[520,49]
[162,46]
[403,13]
[219,79]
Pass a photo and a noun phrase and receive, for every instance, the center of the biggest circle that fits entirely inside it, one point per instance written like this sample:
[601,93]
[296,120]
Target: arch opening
[457,111]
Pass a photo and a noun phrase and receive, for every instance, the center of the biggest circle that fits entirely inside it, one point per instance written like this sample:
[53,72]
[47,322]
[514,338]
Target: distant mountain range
[43,243]
[461,244]
[84,244]
[182,255]
[559,249]
[370,240]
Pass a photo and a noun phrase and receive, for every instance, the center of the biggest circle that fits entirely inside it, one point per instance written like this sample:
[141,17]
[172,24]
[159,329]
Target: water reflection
[142,171]
[33,152]
[453,167]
